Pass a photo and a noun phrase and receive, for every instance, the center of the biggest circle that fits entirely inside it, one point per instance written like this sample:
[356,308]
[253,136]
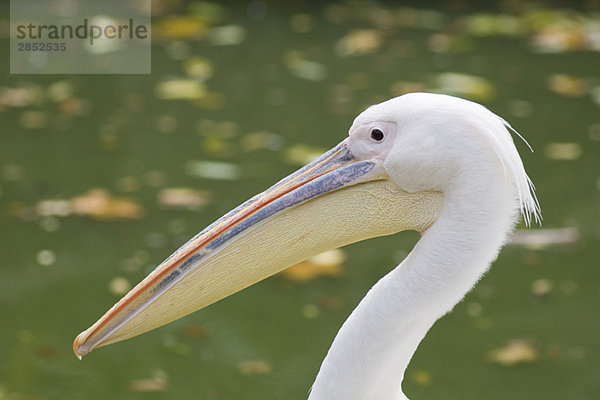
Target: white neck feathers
[371,351]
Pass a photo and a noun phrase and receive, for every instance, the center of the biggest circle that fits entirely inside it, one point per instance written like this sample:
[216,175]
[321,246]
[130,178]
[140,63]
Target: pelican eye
[377,134]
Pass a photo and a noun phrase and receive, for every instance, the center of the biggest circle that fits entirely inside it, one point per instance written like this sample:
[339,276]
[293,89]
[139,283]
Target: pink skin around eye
[364,147]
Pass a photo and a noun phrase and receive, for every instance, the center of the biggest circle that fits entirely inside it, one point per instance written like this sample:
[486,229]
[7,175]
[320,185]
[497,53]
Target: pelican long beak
[333,201]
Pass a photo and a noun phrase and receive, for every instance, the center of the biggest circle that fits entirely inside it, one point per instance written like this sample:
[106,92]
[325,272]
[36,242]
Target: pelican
[443,166]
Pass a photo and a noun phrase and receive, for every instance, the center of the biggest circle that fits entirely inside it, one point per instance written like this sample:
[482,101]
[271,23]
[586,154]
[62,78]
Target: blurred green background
[102,176]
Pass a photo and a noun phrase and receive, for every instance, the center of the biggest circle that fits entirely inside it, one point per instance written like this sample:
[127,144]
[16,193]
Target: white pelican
[440,165]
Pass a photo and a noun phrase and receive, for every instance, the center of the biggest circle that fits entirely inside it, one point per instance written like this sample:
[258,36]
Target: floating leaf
[180,27]
[358,42]
[474,309]
[473,87]
[421,377]
[558,39]
[567,85]
[227,35]
[493,25]
[213,170]
[542,287]
[333,303]
[60,91]
[53,208]
[50,224]
[255,367]
[183,198]
[563,151]
[45,257]
[324,264]
[211,12]
[310,311]
[100,204]
[513,353]
[119,286]
[74,106]
[300,67]
[300,154]
[195,331]
[211,101]
[262,140]
[21,97]
[198,68]
[537,239]
[34,119]
[180,89]
[158,382]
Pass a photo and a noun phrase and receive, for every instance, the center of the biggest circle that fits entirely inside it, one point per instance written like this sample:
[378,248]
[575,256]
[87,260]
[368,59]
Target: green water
[114,132]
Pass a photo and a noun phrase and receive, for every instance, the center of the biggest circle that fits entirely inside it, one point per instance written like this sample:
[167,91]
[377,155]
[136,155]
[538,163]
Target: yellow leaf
[513,353]
[324,264]
[181,27]
[359,42]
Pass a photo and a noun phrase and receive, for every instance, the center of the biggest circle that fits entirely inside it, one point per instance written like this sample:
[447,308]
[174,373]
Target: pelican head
[400,168]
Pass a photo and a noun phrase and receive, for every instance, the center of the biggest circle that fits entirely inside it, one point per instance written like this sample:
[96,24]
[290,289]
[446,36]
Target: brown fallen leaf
[515,352]
[332,303]
[196,331]
[100,204]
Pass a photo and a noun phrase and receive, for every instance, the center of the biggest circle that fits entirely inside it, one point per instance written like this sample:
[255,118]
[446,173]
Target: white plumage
[440,165]
[465,151]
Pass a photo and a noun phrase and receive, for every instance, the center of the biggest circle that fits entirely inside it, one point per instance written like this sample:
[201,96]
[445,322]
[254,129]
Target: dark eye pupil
[377,135]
